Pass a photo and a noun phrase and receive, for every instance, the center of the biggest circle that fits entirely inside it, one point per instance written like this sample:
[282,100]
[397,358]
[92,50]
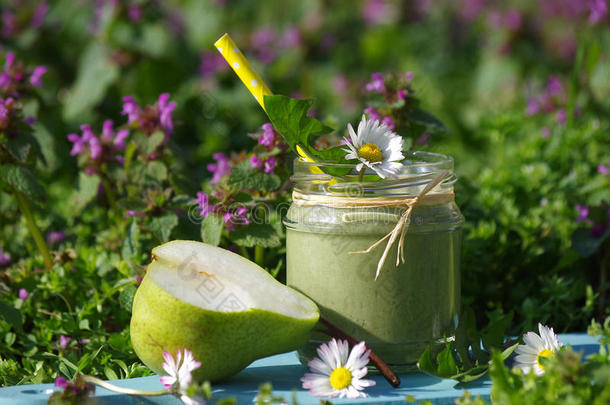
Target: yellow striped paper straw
[242,68]
[231,53]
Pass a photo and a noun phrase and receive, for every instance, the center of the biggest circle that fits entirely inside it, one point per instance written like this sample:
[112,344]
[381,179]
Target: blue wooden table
[284,372]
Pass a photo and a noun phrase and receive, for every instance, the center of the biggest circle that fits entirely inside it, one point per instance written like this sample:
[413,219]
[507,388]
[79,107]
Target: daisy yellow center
[340,378]
[370,152]
[545,354]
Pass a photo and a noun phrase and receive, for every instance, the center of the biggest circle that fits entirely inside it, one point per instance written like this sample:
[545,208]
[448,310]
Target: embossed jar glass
[408,306]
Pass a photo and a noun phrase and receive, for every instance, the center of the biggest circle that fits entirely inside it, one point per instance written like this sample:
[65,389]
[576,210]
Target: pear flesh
[225,309]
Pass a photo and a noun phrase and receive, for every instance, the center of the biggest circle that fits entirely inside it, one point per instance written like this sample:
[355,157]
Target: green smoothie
[407,307]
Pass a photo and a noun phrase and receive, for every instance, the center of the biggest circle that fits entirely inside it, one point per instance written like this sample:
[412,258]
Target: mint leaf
[289,117]
[88,186]
[11,316]
[162,226]
[148,144]
[96,73]
[263,235]
[20,178]
[211,229]
[126,297]
[243,176]
[130,248]
[24,147]
[156,170]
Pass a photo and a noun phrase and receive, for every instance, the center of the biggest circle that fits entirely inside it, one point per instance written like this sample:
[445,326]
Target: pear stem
[122,390]
[385,370]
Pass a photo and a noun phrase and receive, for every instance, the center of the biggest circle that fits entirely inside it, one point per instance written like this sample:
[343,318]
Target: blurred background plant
[121,128]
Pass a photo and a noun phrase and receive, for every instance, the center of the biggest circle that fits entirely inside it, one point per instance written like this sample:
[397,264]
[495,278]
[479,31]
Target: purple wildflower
[340,84]
[470,9]
[151,118]
[402,94]
[603,169]
[268,137]
[55,237]
[211,62]
[165,112]
[237,217]
[376,84]
[132,213]
[554,85]
[388,122]
[533,107]
[23,294]
[255,162]
[512,20]
[5,258]
[372,114]
[131,109]
[409,75]
[377,12]
[269,165]
[61,382]
[220,168]
[203,200]
[107,131]
[262,41]
[598,10]
[134,12]
[119,139]
[78,144]
[291,38]
[583,213]
[561,116]
[545,133]
[5,112]
[63,341]
[95,147]
[9,23]
[40,11]
[36,77]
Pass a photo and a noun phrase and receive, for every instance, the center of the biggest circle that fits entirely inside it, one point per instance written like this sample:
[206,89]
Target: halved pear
[225,309]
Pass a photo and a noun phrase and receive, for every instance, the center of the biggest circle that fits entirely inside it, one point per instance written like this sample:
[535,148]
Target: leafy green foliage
[467,358]
[263,235]
[20,178]
[567,378]
[289,117]
[211,229]
[246,177]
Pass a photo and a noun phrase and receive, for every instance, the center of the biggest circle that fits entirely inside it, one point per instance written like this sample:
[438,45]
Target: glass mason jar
[408,306]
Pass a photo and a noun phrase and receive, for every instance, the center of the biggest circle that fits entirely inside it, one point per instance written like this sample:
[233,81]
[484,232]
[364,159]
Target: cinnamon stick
[381,365]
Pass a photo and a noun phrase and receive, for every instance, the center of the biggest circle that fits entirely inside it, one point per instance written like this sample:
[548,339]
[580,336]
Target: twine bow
[401,227]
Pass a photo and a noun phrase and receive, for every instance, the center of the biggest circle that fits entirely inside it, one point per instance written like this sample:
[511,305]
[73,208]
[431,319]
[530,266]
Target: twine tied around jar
[399,231]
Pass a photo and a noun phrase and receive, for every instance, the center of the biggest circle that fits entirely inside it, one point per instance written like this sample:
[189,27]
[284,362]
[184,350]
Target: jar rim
[420,159]
[419,169]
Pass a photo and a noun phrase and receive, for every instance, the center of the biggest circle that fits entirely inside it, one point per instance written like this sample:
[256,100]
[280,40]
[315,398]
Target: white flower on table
[334,373]
[179,376]
[376,147]
[536,348]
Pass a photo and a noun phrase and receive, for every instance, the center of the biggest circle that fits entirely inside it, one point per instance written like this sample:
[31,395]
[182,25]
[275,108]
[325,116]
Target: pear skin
[227,338]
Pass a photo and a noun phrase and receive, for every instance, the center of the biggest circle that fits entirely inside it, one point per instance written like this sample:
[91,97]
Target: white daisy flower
[376,147]
[179,374]
[334,373]
[536,347]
